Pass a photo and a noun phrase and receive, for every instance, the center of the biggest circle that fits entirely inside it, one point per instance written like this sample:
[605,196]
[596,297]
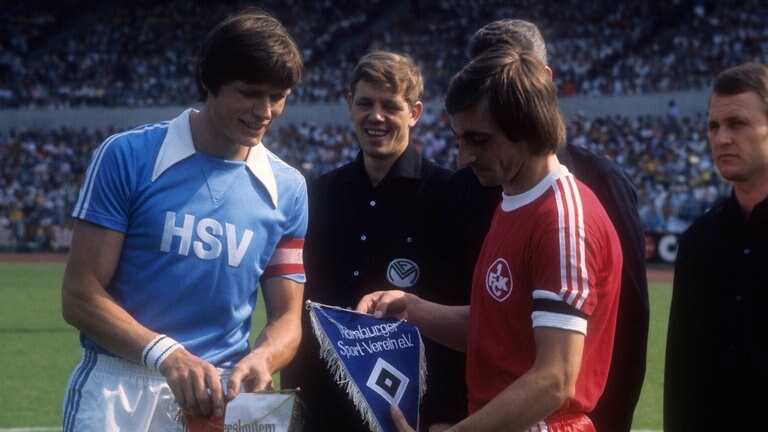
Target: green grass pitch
[38,350]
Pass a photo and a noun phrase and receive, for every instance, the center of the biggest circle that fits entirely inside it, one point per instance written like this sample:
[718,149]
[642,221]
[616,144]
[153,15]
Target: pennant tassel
[341,374]
[422,372]
[377,362]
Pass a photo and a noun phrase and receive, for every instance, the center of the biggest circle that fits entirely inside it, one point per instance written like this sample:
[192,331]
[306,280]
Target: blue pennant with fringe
[379,362]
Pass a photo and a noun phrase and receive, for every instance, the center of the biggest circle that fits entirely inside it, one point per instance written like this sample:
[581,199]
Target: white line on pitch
[32,429]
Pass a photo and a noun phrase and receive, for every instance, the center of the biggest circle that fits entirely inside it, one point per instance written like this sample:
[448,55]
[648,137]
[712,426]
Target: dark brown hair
[522,99]
[743,78]
[251,46]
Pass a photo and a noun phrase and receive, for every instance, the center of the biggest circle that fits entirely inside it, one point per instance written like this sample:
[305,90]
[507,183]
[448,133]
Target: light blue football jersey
[200,232]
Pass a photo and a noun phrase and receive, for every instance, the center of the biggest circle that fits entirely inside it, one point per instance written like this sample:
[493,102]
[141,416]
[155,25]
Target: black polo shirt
[614,188]
[717,344]
[361,239]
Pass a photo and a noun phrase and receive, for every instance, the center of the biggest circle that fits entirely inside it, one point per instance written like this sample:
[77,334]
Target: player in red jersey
[539,329]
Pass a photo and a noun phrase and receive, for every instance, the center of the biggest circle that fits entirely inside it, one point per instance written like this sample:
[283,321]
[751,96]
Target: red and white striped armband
[287,259]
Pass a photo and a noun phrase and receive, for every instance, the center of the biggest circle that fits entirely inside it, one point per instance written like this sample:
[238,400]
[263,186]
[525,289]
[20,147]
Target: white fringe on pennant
[341,374]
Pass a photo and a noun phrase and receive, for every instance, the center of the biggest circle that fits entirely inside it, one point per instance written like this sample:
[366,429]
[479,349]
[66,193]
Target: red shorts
[565,421]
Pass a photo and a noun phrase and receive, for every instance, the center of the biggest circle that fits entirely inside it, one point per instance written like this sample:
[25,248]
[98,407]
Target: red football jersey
[551,258]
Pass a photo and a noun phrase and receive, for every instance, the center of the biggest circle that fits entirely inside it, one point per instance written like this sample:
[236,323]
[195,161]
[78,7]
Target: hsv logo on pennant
[402,273]
[387,381]
[498,280]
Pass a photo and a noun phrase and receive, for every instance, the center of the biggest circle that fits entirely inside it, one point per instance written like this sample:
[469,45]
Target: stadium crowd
[137,53]
[666,156]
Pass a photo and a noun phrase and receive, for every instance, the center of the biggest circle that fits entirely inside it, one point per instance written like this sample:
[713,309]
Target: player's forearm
[86,304]
[525,402]
[545,387]
[278,342]
[446,325]
[104,321]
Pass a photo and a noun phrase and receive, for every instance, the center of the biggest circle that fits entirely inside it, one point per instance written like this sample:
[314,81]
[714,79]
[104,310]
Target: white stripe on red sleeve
[574,278]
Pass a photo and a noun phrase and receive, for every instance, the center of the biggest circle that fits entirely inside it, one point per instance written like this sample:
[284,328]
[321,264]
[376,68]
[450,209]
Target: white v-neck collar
[178,145]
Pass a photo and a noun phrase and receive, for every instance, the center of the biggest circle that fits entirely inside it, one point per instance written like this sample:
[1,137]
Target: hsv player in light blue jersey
[178,223]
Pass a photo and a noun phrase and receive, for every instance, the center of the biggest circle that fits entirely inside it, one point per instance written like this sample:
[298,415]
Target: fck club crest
[498,280]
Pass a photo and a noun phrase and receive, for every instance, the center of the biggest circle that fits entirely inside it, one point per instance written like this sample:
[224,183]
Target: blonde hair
[397,72]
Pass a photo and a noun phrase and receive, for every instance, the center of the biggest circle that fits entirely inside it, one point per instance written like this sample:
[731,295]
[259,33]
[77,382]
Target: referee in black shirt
[373,225]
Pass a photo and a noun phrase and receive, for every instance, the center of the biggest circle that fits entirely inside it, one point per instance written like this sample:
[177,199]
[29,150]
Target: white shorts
[109,394]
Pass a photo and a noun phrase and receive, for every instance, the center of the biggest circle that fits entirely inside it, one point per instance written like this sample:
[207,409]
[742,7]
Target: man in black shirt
[373,225]
[469,209]
[717,342]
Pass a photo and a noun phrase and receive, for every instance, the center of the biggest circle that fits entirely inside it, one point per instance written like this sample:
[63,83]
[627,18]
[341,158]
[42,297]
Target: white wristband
[157,351]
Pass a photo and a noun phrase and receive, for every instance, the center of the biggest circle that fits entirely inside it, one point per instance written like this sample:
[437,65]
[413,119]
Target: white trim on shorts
[108,394]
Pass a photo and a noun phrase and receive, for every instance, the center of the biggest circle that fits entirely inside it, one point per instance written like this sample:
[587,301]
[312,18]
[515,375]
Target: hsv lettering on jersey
[210,234]
[288,258]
